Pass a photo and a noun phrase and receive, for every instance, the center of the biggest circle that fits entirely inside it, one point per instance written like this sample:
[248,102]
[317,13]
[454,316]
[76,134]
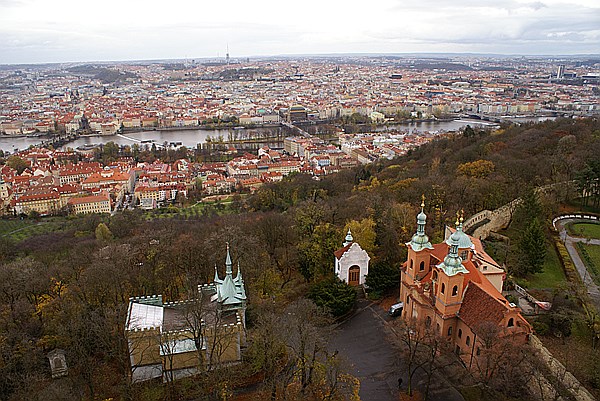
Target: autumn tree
[17,163]
[501,364]
[476,169]
[279,240]
[421,347]
[103,233]
[363,232]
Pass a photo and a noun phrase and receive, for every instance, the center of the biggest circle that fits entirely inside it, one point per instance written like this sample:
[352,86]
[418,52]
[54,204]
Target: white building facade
[352,262]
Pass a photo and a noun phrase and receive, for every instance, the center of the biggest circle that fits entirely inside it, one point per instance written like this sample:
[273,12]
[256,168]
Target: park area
[584,230]
[20,229]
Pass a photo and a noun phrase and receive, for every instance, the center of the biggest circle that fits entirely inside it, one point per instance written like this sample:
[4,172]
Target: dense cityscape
[111,97]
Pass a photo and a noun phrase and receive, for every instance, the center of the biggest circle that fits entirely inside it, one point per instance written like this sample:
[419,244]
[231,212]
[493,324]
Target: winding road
[592,289]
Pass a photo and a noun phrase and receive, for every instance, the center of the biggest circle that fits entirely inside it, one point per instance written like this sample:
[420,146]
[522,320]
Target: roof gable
[479,306]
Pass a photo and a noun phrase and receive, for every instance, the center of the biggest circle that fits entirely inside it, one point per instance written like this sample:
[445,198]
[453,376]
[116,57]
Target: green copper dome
[420,240]
[452,263]
[463,239]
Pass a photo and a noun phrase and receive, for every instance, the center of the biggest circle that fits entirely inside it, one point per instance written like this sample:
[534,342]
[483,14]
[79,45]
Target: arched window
[435,276]
[428,321]
[454,290]
[411,264]
[443,288]
[459,333]
[468,340]
[407,299]
[511,322]
[449,331]
[422,266]
[437,328]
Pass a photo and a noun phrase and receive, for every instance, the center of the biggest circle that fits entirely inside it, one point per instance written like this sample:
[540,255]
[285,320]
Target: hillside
[69,289]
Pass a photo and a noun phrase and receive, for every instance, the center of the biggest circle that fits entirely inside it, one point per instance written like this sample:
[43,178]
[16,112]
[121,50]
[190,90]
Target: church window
[443,288]
[459,333]
[435,276]
[428,321]
[454,290]
[468,340]
[449,331]
[411,264]
[511,322]
[422,266]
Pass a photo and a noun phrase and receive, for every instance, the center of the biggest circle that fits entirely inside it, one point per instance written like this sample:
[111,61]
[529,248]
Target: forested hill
[69,289]
[471,171]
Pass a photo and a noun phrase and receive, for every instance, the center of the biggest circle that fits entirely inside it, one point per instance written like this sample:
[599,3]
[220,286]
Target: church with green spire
[455,289]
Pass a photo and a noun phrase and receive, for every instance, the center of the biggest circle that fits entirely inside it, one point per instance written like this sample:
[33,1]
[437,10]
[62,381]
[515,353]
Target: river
[191,138]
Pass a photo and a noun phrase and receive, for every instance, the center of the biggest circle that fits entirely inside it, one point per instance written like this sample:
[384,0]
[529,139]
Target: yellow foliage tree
[363,232]
[476,169]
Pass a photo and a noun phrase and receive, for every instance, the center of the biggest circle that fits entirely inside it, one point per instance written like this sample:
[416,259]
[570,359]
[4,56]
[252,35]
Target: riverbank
[192,136]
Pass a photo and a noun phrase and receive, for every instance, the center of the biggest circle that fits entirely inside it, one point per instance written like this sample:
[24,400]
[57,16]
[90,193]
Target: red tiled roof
[479,306]
[38,197]
[88,199]
[340,252]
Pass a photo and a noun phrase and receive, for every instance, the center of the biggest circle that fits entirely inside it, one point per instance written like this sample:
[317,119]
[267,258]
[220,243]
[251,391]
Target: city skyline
[32,31]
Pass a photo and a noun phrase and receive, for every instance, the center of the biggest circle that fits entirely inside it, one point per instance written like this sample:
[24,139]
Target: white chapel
[351,262]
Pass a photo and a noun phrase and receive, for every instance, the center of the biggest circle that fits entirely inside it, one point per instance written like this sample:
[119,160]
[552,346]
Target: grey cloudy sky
[34,31]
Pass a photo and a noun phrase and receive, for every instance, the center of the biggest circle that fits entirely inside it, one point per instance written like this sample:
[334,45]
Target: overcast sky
[34,31]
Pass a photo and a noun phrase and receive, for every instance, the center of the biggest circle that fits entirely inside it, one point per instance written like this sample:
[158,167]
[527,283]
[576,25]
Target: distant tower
[227,55]
[560,74]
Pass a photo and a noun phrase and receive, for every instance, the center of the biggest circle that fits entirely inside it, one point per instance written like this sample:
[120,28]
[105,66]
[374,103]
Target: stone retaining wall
[498,219]
[570,382]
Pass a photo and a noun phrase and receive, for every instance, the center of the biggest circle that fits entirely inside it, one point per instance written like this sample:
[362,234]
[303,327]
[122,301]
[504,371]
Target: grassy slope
[553,274]
[18,230]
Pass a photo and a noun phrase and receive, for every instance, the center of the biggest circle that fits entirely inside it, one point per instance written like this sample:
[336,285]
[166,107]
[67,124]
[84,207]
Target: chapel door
[353,275]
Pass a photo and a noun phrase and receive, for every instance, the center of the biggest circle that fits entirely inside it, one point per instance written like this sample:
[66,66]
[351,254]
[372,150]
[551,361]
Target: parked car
[396,309]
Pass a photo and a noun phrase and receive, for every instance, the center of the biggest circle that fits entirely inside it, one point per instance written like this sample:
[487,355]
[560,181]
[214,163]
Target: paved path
[592,289]
[364,341]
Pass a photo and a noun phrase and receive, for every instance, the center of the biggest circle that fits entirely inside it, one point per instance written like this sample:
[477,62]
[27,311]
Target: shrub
[335,295]
[541,328]
[382,277]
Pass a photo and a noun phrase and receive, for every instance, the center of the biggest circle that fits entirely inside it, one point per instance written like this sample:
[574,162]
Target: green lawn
[190,213]
[587,230]
[8,226]
[18,230]
[590,255]
[553,274]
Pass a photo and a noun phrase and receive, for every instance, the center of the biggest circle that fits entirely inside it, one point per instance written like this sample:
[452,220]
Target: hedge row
[565,258]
